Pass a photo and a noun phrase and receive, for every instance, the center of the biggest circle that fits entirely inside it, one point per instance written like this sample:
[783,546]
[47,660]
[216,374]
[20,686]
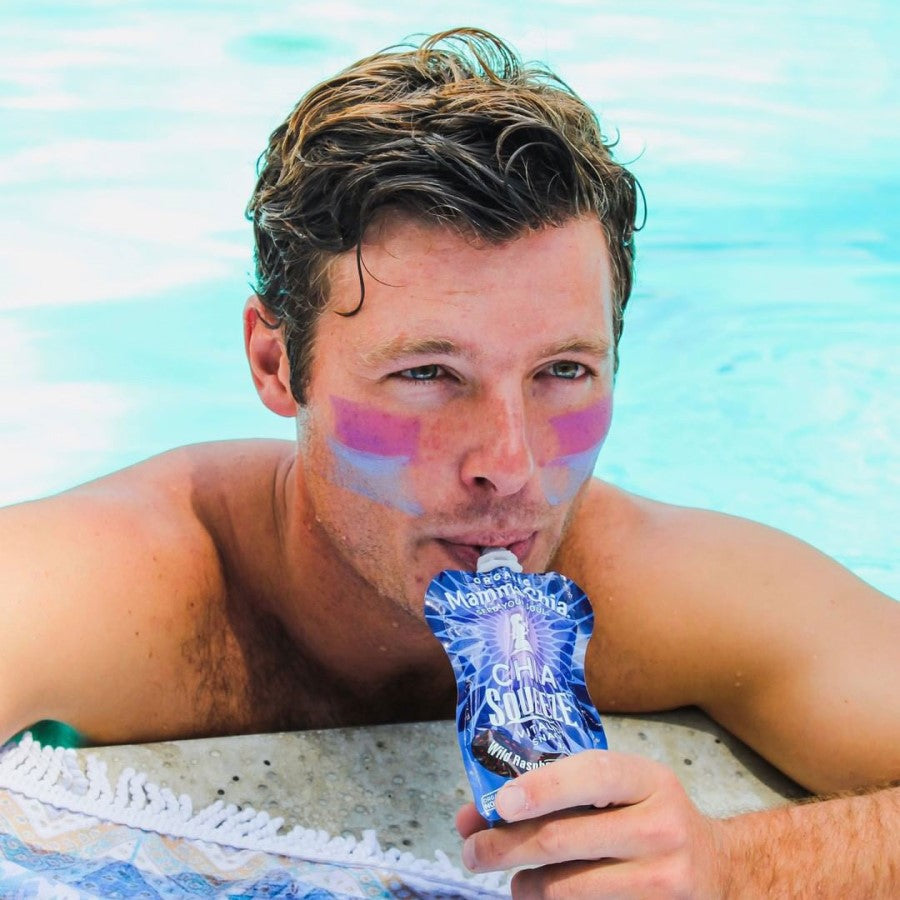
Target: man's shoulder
[683,597]
[129,571]
[614,531]
[236,492]
[680,562]
[193,485]
[758,628]
[641,564]
[219,500]
[627,535]
[227,467]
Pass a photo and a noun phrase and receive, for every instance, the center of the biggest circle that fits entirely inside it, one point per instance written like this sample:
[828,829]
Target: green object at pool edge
[50,733]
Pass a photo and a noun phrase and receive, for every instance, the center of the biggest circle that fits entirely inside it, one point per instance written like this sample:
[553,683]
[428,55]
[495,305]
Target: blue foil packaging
[517,643]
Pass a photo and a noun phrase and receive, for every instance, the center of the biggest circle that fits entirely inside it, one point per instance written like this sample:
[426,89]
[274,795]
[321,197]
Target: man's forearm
[842,847]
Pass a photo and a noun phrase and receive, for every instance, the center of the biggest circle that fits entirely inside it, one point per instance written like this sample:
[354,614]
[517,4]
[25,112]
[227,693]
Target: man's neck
[366,643]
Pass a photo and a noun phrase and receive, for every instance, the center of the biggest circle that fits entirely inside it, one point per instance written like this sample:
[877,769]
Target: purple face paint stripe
[583,429]
[374,431]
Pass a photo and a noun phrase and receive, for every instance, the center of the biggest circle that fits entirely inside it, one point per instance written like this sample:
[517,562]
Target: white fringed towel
[65,831]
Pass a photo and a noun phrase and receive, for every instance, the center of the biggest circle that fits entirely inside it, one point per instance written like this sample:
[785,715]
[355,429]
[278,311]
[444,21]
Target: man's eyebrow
[591,347]
[401,347]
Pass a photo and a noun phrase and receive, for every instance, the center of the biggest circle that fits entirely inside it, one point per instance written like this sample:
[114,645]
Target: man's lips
[465,551]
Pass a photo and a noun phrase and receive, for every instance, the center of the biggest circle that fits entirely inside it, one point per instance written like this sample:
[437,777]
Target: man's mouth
[465,550]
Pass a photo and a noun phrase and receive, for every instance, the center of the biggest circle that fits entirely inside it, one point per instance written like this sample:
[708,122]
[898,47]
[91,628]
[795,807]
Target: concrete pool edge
[406,781]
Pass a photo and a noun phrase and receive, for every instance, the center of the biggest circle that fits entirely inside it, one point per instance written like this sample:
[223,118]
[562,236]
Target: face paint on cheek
[372,451]
[581,435]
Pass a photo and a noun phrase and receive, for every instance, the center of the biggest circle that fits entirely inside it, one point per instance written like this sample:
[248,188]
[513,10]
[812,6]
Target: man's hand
[604,824]
[598,824]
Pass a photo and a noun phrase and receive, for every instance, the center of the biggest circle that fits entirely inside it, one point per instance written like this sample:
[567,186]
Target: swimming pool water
[759,366]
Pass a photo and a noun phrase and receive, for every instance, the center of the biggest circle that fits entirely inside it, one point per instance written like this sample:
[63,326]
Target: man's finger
[594,880]
[593,778]
[469,821]
[618,833]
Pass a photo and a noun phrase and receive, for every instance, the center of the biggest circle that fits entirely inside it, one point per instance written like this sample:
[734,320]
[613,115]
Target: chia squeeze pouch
[516,642]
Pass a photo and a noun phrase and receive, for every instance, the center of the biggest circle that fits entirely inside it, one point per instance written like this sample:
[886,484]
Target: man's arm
[603,824]
[841,847]
[803,664]
[100,586]
[776,641]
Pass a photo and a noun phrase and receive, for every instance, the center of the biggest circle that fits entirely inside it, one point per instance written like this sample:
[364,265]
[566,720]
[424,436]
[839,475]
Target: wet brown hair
[457,131]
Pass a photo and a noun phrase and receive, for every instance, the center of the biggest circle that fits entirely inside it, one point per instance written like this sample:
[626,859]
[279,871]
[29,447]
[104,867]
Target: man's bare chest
[246,674]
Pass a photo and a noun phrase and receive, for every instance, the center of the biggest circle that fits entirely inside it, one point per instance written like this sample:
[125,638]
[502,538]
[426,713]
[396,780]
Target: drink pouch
[516,642]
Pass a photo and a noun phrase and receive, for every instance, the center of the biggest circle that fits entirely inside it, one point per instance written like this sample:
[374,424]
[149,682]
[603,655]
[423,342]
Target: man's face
[463,406]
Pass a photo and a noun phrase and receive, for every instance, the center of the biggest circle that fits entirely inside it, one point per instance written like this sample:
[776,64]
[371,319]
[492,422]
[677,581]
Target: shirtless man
[444,252]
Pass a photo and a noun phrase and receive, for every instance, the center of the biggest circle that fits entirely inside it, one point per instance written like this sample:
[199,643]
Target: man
[444,255]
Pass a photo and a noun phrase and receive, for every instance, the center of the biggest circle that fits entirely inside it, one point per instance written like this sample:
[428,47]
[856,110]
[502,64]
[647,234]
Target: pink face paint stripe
[374,431]
[583,429]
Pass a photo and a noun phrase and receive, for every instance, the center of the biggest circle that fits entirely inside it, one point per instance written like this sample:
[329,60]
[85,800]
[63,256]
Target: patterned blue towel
[66,832]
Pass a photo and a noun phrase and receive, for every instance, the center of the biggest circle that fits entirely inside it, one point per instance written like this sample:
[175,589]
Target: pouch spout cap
[495,557]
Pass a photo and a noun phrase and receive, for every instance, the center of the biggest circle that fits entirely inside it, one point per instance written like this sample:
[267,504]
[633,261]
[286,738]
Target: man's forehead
[397,246]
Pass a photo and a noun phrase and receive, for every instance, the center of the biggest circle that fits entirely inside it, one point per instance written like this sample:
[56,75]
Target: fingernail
[510,801]
[468,854]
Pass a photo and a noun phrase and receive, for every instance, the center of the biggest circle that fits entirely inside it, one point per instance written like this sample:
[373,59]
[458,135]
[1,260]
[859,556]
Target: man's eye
[567,369]
[421,373]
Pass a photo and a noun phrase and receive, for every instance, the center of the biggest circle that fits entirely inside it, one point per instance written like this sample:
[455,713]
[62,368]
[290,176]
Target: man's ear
[268,359]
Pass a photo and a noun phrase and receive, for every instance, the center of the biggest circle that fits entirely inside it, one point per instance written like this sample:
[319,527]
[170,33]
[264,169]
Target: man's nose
[499,458]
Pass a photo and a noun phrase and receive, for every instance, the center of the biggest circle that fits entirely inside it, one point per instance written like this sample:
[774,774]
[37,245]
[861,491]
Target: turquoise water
[759,369]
